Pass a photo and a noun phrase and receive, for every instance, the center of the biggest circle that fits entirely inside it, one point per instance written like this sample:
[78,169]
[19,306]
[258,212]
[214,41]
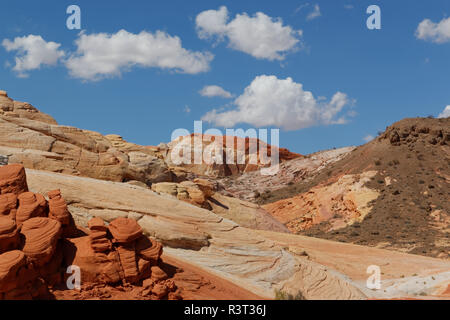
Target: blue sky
[386,74]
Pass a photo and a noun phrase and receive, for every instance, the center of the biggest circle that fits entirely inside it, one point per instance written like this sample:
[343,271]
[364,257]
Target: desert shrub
[282,295]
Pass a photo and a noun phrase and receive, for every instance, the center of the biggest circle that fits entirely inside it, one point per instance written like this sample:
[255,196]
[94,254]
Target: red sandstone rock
[9,235]
[13,179]
[8,205]
[158,274]
[99,241]
[30,206]
[108,255]
[10,263]
[149,249]
[41,235]
[127,255]
[125,230]
[97,223]
[58,208]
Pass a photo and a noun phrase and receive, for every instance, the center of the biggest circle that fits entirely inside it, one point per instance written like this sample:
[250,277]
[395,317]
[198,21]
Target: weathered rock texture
[238,154]
[252,186]
[340,204]
[35,140]
[411,212]
[40,240]
[203,193]
[197,235]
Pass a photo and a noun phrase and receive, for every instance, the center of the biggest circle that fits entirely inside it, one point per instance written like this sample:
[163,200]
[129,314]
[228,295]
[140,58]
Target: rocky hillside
[35,140]
[391,192]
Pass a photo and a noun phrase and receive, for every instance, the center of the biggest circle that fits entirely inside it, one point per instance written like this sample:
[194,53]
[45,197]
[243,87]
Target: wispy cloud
[215,91]
[315,13]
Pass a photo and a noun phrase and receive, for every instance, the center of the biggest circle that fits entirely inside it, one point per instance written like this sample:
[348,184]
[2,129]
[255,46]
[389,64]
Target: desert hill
[391,192]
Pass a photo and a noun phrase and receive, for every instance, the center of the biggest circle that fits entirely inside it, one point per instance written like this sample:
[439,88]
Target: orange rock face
[41,236]
[9,235]
[13,179]
[58,207]
[8,205]
[125,230]
[38,242]
[30,205]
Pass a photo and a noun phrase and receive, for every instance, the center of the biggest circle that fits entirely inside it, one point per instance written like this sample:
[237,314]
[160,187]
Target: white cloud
[445,113]
[301,7]
[33,52]
[315,13]
[368,138]
[269,101]
[260,35]
[103,55]
[215,91]
[434,32]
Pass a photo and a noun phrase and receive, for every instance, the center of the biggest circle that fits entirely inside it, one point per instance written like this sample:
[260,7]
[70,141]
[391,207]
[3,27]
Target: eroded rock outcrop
[39,240]
[238,155]
[12,179]
[34,139]
[340,204]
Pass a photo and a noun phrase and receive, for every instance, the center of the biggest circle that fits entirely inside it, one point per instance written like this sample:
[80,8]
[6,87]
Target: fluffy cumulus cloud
[260,35]
[434,32]
[269,101]
[315,13]
[215,91]
[445,113]
[103,55]
[32,53]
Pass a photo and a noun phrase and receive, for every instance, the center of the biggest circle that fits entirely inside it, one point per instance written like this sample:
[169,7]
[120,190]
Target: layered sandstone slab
[204,193]
[30,205]
[197,235]
[35,140]
[41,236]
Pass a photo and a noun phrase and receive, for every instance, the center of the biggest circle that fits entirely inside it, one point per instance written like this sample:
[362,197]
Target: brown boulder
[125,230]
[13,179]
[30,206]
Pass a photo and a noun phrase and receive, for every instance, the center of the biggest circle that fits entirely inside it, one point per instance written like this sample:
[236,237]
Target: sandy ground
[400,272]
